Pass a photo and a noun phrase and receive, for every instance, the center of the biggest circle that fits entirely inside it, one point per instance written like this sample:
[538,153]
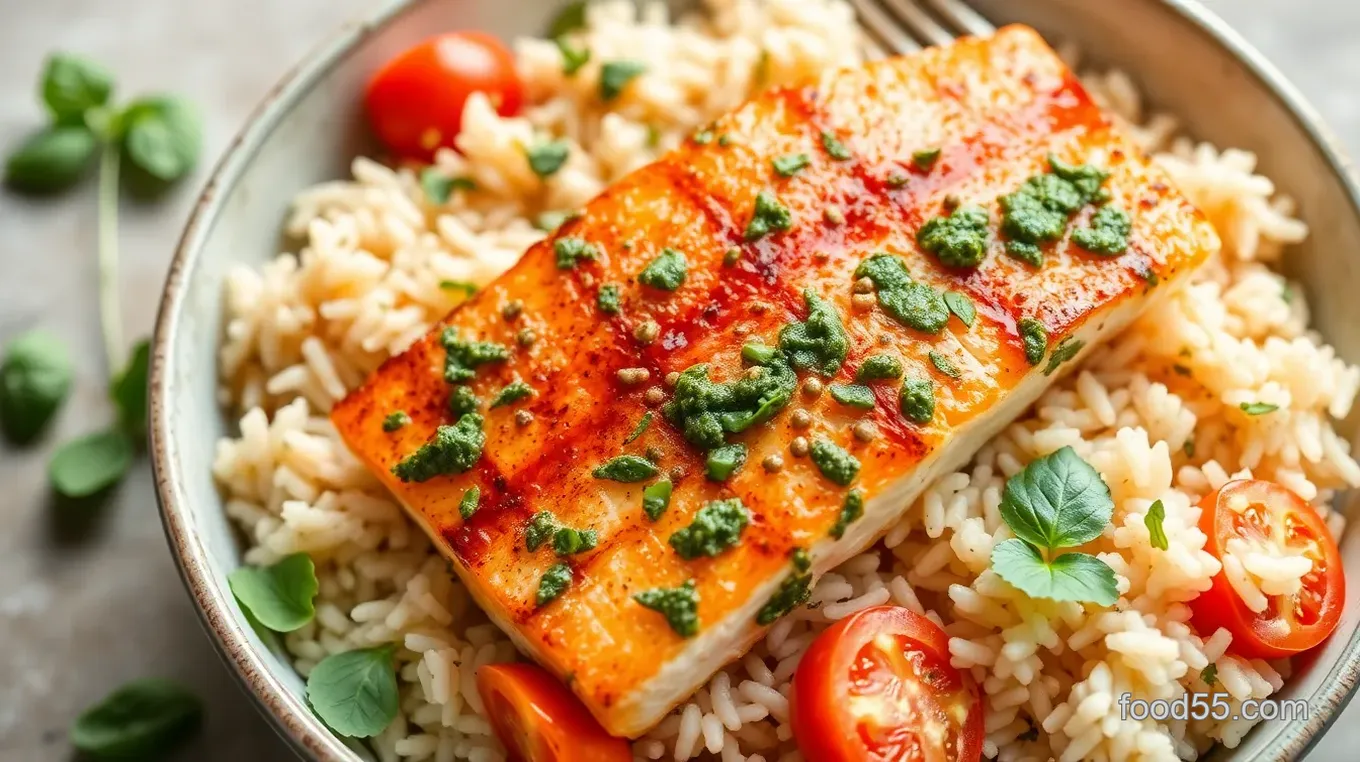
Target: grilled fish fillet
[995,109]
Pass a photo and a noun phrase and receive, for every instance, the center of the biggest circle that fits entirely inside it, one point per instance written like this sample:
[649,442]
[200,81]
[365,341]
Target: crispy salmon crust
[995,108]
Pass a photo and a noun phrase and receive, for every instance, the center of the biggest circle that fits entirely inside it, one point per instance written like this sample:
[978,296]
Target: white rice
[365,282]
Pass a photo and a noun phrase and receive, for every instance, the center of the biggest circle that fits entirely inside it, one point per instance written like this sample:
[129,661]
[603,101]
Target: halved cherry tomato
[538,719]
[877,686]
[1262,512]
[415,102]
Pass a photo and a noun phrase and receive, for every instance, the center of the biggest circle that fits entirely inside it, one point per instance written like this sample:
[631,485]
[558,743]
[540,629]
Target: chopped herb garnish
[818,343]
[626,468]
[462,401]
[656,498]
[573,58]
[395,421]
[702,137]
[793,591]
[439,187]
[851,510]
[554,582]
[462,358]
[1025,252]
[1068,348]
[768,216]
[961,306]
[912,304]
[1040,210]
[1108,233]
[945,365]
[550,221]
[641,427]
[834,462]
[546,158]
[854,395]
[791,164]
[879,367]
[570,251]
[512,393]
[1258,408]
[680,606]
[705,411]
[925,159]
[897,179]
[1209,674]
[724,461]
[834,147]
[917,400]
[615,76]
[472,498]
[959,240]
[458,285]
[542,526]
[608,299]
[1156,515]
[758,354]
[716,527]
[568,541]
[453,450]
[666,272]
[1034,338]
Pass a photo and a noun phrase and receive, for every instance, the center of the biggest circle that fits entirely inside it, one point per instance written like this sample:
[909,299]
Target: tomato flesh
[538,719]
[877,686]
[415,101]
[1263,513]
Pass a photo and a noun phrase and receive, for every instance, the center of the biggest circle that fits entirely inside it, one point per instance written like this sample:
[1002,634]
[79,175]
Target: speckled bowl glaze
[309,127]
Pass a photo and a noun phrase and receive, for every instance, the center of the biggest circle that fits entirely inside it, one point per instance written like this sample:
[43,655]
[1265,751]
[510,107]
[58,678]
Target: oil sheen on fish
[932,238]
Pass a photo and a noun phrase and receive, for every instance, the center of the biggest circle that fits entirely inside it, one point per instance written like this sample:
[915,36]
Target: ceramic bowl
[309,127]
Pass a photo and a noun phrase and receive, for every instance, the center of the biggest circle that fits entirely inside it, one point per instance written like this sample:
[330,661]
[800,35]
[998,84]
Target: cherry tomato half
[415,102]
[1264,513]
[538,719]
[877,686]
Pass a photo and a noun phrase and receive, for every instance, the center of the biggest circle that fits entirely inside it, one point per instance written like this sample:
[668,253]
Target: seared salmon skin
[740,365]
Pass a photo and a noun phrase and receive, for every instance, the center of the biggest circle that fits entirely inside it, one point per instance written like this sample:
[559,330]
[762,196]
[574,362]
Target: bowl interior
[311,127]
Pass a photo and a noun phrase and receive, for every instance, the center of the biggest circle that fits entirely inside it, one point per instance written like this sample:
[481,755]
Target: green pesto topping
[854,395]
[608,299]
[945,365]
[453,450]
[879,367]
[925,158]
[768,216]
[1066,350]
[395,421]
[573,58]
[918,400]
[912,304]
[793,591]
[615,76]
[834,462]
[555,581]
[462,357]
[819,342]
[680,606]
[641,427]
[756,353]
[468,505]
[791,164]
[961,306]
[656,498]
[546,158]
[1039,211]
[568,541]
[959,240]
[851,510]
[462,401]
[512,393]
[1107,234]
[724,461]
[834,147]
[626,468]
[1034,338]
[570,251]
[666,272]
[1025,252]
[541,528]
[706,411]
[716,527]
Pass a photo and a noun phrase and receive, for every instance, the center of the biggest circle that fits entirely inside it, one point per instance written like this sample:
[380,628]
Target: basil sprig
[280,596]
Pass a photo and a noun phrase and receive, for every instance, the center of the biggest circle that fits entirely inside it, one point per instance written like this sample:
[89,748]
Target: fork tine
[962,17]
[883,27]
[919,23]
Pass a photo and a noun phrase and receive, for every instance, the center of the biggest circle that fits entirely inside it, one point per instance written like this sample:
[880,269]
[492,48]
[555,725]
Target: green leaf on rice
[1258,408]
[1069,577]
[1058,501]
[1156,514]
[355,692]
[279,597]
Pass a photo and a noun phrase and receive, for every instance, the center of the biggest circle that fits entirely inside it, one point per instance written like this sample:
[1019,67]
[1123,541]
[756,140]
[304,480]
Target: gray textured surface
[83,612]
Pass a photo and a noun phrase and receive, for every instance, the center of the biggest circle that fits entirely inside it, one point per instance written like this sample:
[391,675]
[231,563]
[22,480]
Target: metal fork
[904,26]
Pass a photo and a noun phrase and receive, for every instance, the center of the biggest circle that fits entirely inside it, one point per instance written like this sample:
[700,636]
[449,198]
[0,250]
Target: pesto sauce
[716,527]
[917,400]
[462,358]
[834,462]
[768,216]
[1039,211]
[608,299]
[959,240]
[725,461]
[853,395]
[566,541]
[791,164]
[818,343]
[879,367]
[513,392]
[912,304]
[1034,338]
[656,498]
[1108,233]
[851,510]
[945,365]
[553,584]
[570,251]
[462,401]
[666,272]
[793,591]
[472,498]
[679,605]
[453,450]
[626,468]
[395,421]
[706,411]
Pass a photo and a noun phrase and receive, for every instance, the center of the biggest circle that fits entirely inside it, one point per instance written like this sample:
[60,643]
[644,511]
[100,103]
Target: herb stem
[110,310]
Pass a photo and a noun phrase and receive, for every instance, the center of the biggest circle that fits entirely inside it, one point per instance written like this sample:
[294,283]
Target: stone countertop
[86,605]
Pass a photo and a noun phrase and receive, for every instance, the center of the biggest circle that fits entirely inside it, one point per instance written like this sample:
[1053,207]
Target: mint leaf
[162,136]
[91,464]
[281,596]
[1058,501]
[355,692]
[141,720]
[72,85]
[1069,577]
[35,378]
[51,160]
[1156,514]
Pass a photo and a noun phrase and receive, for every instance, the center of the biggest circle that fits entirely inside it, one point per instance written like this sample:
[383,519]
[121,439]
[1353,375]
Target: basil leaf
[571,18]
[162,136]
[853,395]
[1069,577]
[641,427]
[35,378]
[141,720]
[961,306]
[72,85]
[1156,514]
[1258,408]
[85,466]
[355,692]
[656,498]
[1058,501]
[281,596]
[128,392]
[626,468]
[51,160]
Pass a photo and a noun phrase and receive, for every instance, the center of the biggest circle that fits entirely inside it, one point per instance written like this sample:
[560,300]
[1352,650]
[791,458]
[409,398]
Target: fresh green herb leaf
[1067,349]
[834,147]
[666,272]
[608,299]
[1258,408]
[925,158]
[547,157]
[917,400]
[656,498]
[626,468]
[128,391]
[51,160]
[834,462]
[571,18]
[1108,233]
[72,86]
[513,392]
[439,187]
[162,136]
[573,58]
[791,164]
[705,411]
[959,240]
[641,427]
[396,421]
[472,499]
[615,76]
[458,285]
[35,379]
[724,461]
[1209,674]
[793,591]
[961,306]
[453,450]
[879,367]
[553,584]
[568,541]
[768,216]
[142,720]
[716,527]
[944,365]
[680,606]
[853,395]
[280,596]
[91,464]
[1069,577]
[818,343]
[851,510]
[1034,338]
[1057,501]
[1156,515]
[355,692]
[570,251]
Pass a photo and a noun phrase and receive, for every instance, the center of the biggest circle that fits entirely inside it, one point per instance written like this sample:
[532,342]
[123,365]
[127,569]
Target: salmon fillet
[777,210]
